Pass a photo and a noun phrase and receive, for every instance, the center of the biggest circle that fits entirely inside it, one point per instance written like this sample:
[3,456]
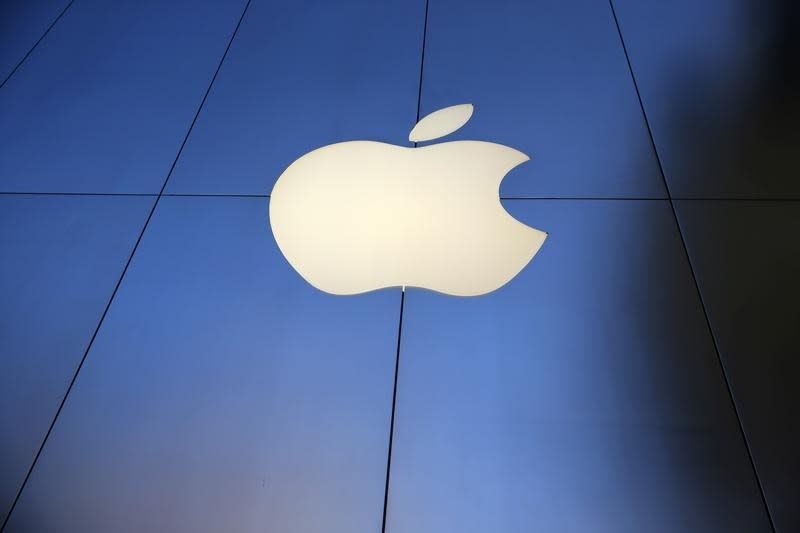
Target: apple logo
[356,216]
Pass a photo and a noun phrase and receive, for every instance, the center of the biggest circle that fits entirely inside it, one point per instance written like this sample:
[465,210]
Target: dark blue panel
[719,81]
[585,395]
[107,98]
[747,258]
[550,79]
[21,25]
[223,393]
[301,75]
[62,257]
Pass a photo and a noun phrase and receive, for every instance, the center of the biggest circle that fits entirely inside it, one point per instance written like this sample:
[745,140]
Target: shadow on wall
[721,85]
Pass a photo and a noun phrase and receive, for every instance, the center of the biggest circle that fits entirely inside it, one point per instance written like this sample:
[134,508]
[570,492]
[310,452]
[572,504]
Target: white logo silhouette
[357,216]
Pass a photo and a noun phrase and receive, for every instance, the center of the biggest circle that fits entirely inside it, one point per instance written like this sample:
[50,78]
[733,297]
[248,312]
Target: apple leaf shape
[440,123]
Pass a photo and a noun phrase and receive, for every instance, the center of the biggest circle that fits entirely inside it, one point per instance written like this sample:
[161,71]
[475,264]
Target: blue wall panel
[301,75]
[107,98]
[550,79]
[21,25]
[223,393]
[62,257]
[585,395]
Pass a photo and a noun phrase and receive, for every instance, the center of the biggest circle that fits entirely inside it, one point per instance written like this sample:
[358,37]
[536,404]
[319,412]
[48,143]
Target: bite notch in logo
[356,216]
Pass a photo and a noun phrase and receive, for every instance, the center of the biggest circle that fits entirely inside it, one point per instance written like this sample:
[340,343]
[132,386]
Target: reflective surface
[583,396]
[106,100]
[747,255]
[303,75]
[21,25]
[720,81]
[62,257]
[549,79]
[223,393]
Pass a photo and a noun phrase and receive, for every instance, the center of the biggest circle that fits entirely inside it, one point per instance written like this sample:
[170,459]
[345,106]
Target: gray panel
[747,257]
[301,75]
[62,257]
[223,393]
[719,81]
[106,100]
[585,395]
[21,25]
[548,78]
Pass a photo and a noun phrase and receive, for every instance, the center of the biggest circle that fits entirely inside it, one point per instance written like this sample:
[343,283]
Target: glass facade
[165,368]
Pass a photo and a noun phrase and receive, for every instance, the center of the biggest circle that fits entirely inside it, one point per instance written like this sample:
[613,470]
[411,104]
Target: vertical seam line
[394,404]
[402,303]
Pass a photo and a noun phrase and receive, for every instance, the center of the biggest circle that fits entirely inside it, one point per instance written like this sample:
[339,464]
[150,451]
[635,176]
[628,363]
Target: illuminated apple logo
[357,216]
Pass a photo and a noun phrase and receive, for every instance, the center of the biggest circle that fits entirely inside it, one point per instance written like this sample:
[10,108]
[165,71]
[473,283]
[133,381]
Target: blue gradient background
[220,392]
